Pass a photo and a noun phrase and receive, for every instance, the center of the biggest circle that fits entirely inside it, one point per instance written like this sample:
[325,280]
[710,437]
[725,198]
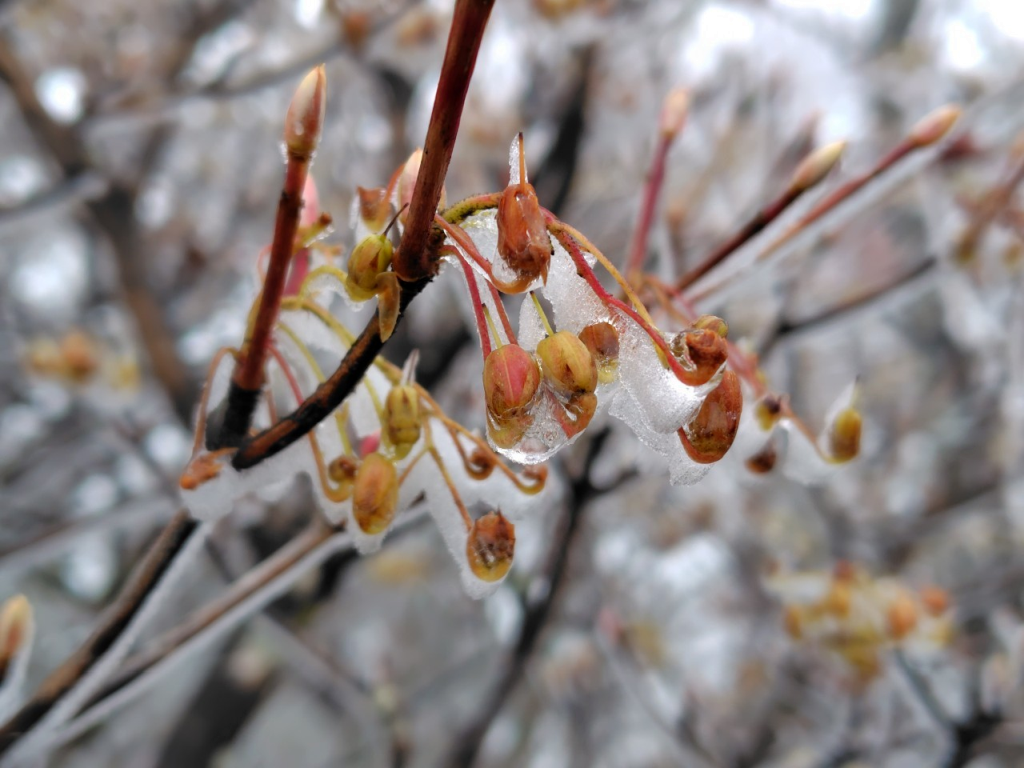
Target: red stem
[474,296]
[652,190]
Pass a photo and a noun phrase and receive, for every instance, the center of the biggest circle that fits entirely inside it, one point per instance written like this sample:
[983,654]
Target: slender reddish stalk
[414,260]
[474,297]
[573,248]
[808,174]
[303,125]
[673,116]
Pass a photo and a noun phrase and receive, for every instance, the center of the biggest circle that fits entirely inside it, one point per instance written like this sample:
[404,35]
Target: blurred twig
[536,613]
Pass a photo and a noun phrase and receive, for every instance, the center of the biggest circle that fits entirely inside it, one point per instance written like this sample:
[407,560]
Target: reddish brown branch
[413,261]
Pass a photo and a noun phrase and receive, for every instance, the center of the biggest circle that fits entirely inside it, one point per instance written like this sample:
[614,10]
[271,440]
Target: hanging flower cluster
[578,348]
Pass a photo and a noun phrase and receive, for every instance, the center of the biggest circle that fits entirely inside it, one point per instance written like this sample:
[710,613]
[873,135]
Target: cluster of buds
[78,358]
[858,618]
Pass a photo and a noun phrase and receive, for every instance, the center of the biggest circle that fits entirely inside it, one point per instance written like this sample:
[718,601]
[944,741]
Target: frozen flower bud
[506,432]
[402,418]
[843,435]
[712,323]
[568,366]
[901,616]
[305,119]
[523,240]
[815,166]
[342,471]
[375,494]
[491,546]
[767,411]
[80,356]
[700,350]
[407,182]
[203,468]
[582,407]
[933,126]
[374,207]
[935,600]
[603,342]
[365,264]
[763,462]
[674,110]
[15,627]
[511,379]
[710,433]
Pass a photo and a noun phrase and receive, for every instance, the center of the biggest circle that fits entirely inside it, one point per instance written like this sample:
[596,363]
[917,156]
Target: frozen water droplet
[61,91]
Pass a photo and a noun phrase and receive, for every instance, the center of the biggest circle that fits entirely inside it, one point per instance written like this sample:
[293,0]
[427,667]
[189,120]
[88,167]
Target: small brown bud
[933,126]
[365,264]
[491,546]
[374,207]
[15,625]
[767,411]
[375,494]
[402,418]
[674,109]
[582,408]
[81,358]
[709,435]
[511,379]
[603,342]
[568,366]
[305,119]
[342,470]
[712,323]
[407,182]
[700,350]
[523,240]
[843,436]
[203,468]
[763,462]
[935,600]
[901,615]
[815,166]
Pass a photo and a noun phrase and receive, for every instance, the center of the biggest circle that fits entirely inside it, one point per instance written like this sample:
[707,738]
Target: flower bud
[374,207]
[763,462]
[81,358]
[815,166]
[603,342]
[523,240]
[582,407]
[674,109]
[342,471]
[843,435]
[901,616]
[15,626]
[568,366]
[491,546]
[934,126]
[305,119]
[712,323]
[507,431]
[368,260]
[407,182]
[935,600]
[402,418]
[702,350]
[202,469]
[511,379]
[375,494]
[767,412]
[710,433]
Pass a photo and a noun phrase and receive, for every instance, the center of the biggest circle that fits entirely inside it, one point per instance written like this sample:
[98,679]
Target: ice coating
[425,478]
[682,469]
[802,461]
[513,164]
[482,229]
